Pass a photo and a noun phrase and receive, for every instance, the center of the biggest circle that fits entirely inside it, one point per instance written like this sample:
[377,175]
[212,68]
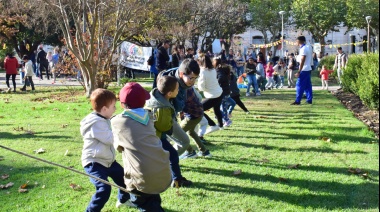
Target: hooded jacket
[11,65]
[224,77]
[146,163]
[98,140]
[163,112]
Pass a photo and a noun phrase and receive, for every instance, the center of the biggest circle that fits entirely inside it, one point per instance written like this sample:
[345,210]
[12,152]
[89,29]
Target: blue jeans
[227,106]
[103,191]
[252,81]
[304,85]
[240,70]
[146,202]
[174,159]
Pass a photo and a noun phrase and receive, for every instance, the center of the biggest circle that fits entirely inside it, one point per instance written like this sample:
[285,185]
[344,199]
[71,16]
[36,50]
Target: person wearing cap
[304,75]
[28,73]
[146,163]
[98,153]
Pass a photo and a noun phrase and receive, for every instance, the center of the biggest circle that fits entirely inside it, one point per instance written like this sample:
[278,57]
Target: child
[98,154]
[279,70]
[223,75]
[164,113]
[28,73]
[269,74]
[325,77]
[193,114]
[251,71]
[235,93]
[146,164]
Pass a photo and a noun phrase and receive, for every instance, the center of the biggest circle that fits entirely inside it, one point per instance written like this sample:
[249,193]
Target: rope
[64,167]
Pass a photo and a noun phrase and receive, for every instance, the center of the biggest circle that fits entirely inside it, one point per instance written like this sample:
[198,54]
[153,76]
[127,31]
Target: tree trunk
[322,41]
[89,78]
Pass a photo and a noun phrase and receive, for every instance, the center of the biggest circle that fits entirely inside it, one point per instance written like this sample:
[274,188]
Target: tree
[93,29]
[319,17]
[358,10]
[266,18]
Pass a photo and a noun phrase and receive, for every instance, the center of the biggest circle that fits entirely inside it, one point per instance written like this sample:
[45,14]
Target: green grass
[274,131]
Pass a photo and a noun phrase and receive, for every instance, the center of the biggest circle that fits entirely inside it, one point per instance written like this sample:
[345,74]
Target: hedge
[361,76]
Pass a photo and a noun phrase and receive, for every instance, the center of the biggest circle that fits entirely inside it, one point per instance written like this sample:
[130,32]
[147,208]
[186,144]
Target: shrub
[328,61]
[361,77]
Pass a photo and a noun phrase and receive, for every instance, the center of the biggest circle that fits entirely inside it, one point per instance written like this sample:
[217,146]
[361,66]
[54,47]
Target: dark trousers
[146,202]
[44,67]
[30,81]
[7,76]
[103,191]
[173,158]
[215,104]
[240,103]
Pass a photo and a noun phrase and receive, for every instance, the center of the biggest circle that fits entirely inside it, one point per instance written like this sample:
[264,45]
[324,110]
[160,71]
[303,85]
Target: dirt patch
[70,97]
[361,112]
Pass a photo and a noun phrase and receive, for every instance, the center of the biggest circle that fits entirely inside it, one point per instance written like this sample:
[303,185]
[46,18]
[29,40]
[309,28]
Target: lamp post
[368,18]
[282,33]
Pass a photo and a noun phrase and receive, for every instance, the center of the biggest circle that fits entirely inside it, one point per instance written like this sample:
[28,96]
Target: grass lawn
[262,145]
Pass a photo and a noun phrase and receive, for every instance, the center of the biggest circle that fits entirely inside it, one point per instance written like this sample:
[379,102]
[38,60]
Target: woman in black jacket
[224,75]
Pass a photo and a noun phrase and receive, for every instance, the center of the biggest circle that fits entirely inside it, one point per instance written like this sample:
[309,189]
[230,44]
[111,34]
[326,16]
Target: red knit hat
[133,95]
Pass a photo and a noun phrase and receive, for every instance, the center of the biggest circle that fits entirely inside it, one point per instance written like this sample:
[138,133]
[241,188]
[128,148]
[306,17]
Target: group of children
[143,131]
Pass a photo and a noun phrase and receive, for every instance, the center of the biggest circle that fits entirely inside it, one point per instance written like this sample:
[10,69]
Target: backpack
[150,60]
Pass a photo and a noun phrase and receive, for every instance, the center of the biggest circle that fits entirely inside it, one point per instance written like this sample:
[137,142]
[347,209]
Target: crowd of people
[38,63]
[153,131]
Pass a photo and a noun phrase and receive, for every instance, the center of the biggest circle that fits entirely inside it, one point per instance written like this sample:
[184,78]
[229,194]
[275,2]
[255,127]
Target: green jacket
[163,112]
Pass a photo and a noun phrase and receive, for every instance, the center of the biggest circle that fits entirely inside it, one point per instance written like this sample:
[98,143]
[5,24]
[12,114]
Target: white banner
[134,56]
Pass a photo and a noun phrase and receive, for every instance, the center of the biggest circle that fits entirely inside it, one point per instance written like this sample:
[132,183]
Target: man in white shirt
[304,74]
[340,63]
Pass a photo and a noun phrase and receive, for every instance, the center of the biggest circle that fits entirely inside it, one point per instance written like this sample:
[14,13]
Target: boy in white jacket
[28,72]
[98,154]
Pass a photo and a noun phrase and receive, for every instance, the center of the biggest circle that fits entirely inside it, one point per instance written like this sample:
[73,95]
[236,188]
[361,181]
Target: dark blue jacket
[162,58]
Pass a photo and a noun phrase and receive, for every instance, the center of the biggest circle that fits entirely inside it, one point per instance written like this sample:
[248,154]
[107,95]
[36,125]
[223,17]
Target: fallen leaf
[1,117]
[33,108]
[325,139]
[21,190]
[263,117]
[237,172]
[74,109]
[64,125]
[56,109]
[5,176]
[75,186]
[295,166]
[355,171]
[66,153]
[29,132]
[23,186]
[8,185]
[39,151]
[43,186]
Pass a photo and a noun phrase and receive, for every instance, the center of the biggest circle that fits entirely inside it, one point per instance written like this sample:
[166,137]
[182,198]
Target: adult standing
[161,60]
[250,70]
[42,61]
[340,63]
[292,66]
[240,62]
[175,57]
[304,74]
[10,66]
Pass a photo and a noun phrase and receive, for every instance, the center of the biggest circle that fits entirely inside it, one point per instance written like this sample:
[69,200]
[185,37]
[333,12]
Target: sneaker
[128,203]
[258,94]
[9,90]
[247,94]
[22,89]
[206,154]
[247,112]
[183,182]
[187,155]
[212,129]
[203,140]
[228,123]
[310,103]
[295,103]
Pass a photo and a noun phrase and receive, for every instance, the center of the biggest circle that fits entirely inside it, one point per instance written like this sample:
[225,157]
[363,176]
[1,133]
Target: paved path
[74,82]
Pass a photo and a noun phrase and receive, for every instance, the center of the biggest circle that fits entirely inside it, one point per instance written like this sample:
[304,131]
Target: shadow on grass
[7,135]
[335,195]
